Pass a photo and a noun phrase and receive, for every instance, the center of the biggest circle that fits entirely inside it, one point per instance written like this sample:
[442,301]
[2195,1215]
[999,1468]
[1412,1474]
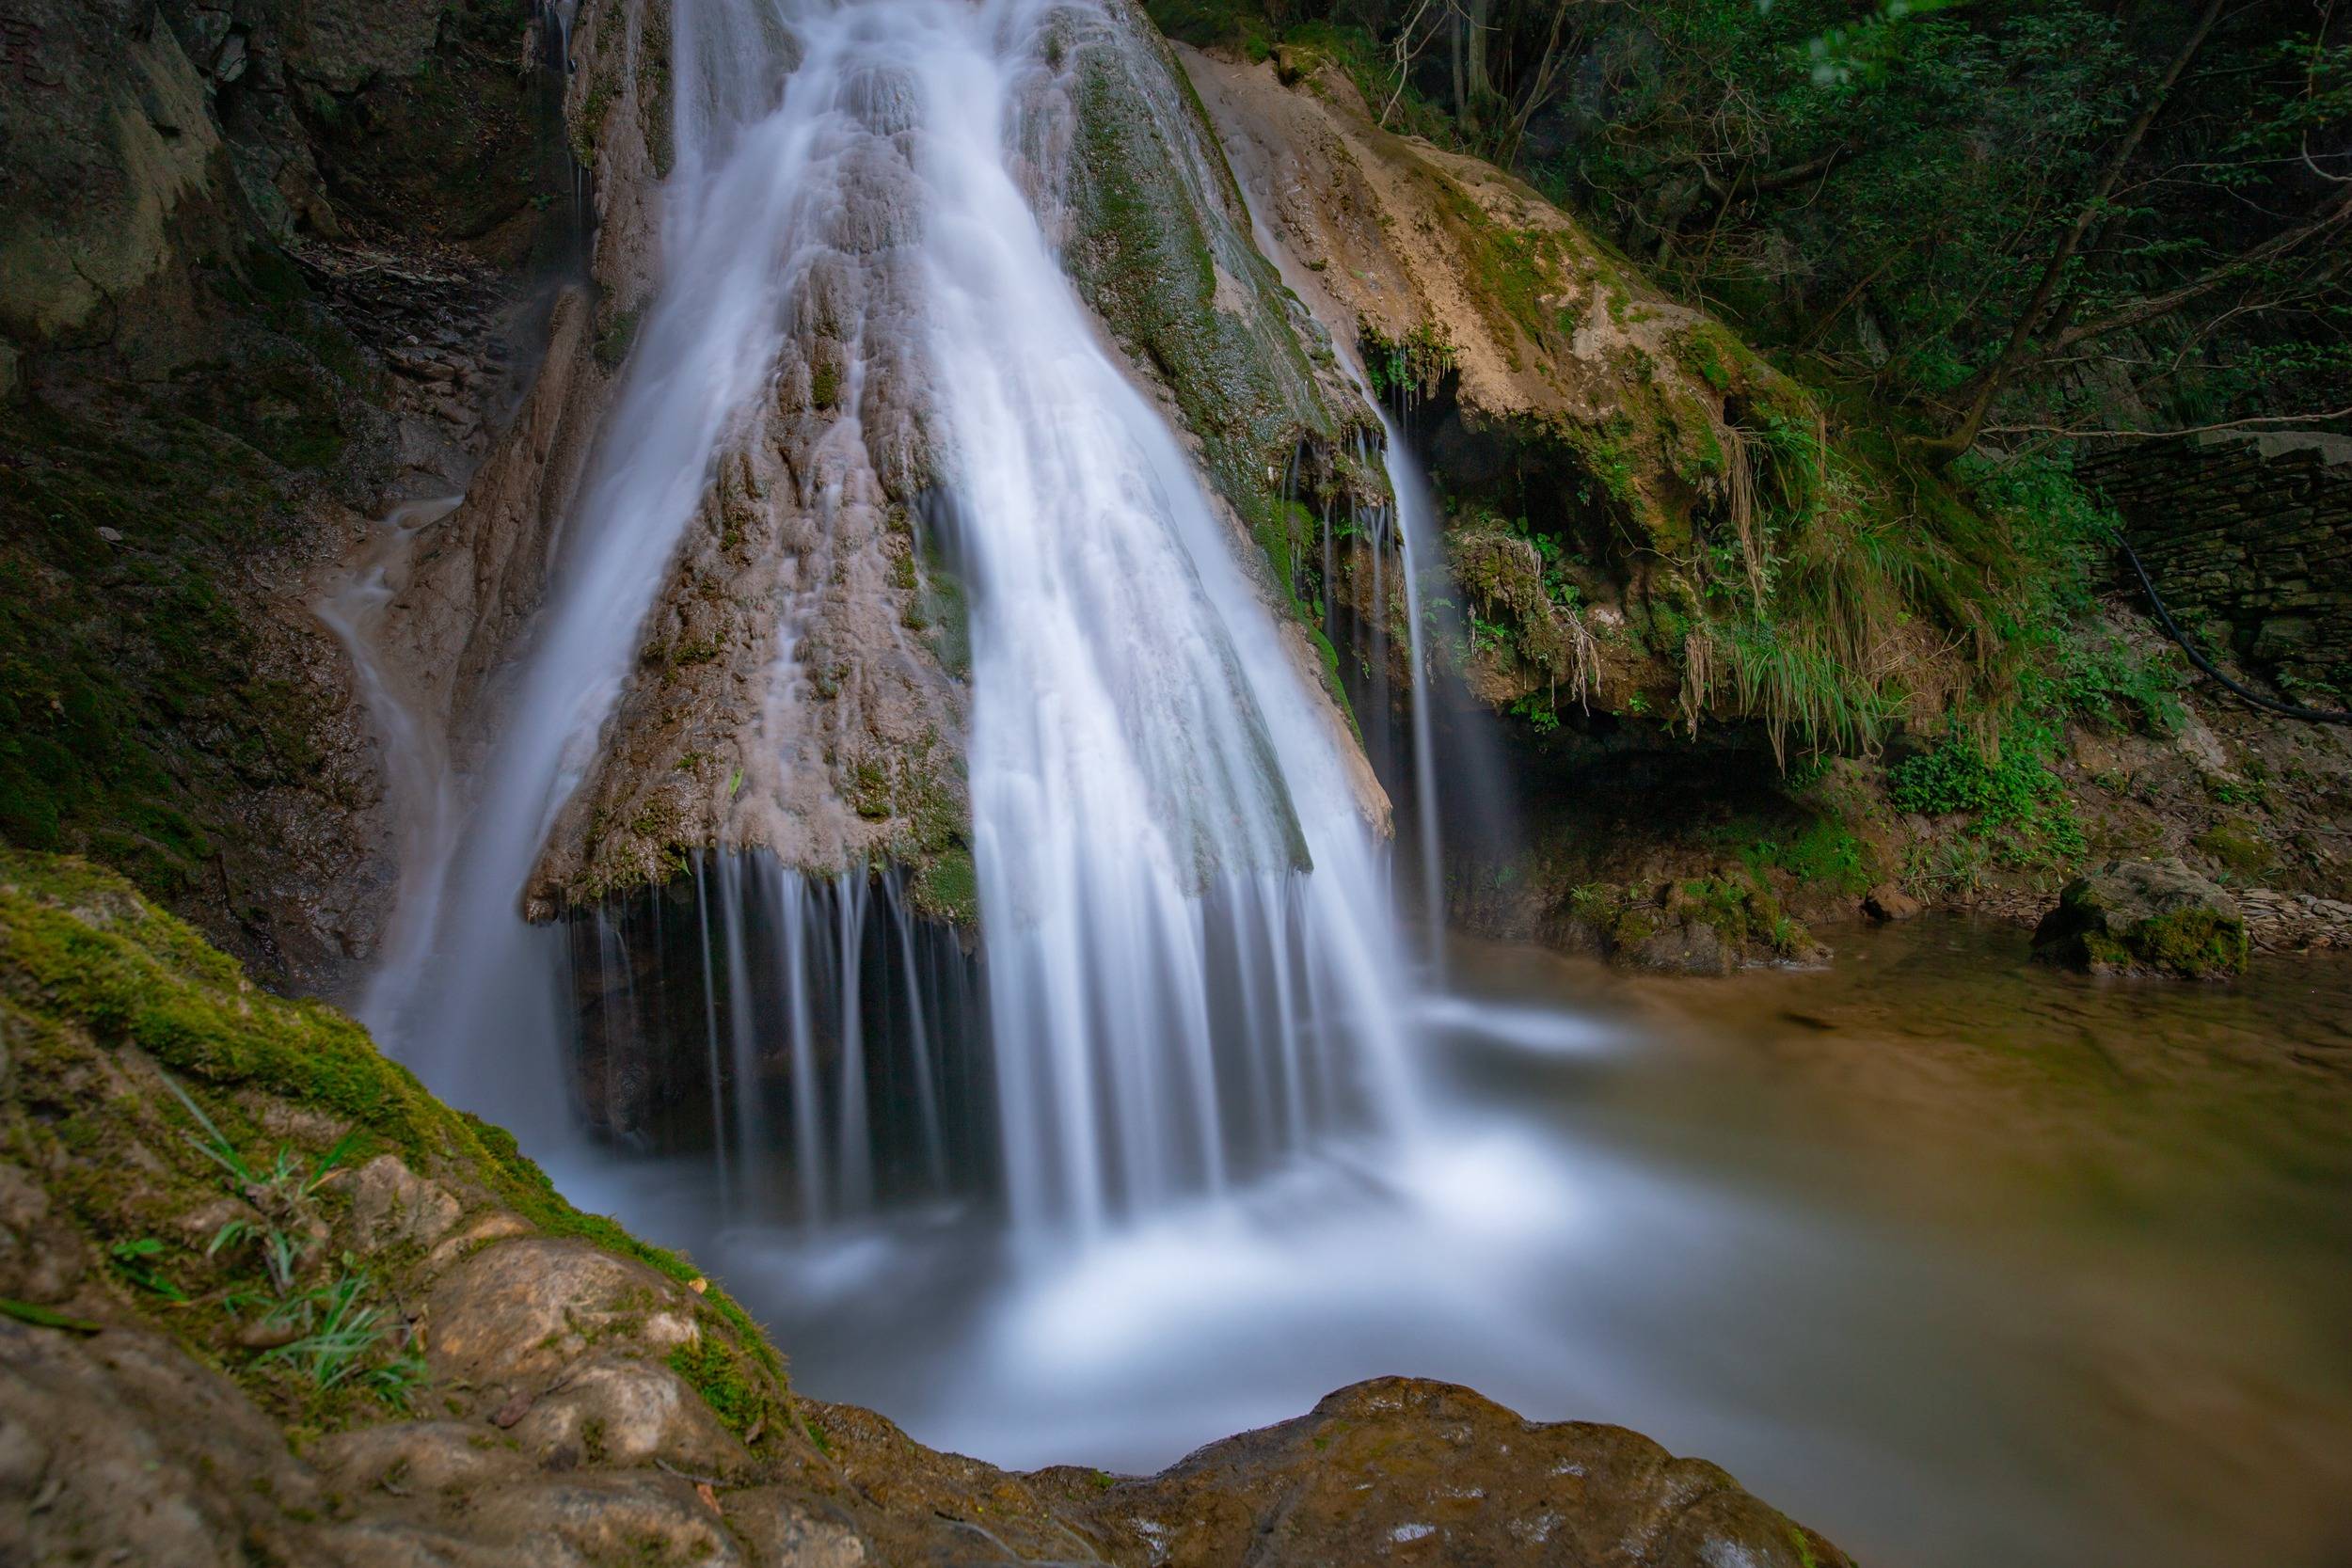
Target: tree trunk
[1474,63]
[2054,273]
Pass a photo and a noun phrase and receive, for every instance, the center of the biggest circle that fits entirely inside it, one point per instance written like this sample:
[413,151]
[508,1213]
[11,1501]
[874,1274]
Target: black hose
[2164,617]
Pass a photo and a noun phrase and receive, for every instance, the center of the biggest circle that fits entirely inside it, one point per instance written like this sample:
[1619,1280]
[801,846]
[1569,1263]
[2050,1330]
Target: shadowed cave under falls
[827,1051]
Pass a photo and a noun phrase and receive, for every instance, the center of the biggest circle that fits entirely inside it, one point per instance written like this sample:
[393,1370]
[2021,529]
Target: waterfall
[1187,971]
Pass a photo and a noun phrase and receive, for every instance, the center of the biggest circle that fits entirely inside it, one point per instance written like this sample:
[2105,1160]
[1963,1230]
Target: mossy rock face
[1769,555]
[2148,918]
[1160,248]
[1712,924]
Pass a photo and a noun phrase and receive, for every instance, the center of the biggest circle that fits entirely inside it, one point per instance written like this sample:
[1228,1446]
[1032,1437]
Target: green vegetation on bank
[2058,213]
[169,1085]
[1803,554]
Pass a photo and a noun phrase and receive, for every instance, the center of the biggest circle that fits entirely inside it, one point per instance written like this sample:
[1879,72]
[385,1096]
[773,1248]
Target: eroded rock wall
[251,299]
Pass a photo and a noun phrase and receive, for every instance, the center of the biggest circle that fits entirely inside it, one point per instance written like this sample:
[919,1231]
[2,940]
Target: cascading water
[419,790]
[1150,784]
[1409,527]
[1187,977]
[1188,973]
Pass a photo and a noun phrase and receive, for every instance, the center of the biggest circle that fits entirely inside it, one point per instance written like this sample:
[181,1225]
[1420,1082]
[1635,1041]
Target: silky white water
[1145,756]
[1243,1161]
[1191,974]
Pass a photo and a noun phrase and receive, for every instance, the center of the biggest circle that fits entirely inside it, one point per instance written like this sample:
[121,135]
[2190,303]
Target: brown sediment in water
[2134,1193]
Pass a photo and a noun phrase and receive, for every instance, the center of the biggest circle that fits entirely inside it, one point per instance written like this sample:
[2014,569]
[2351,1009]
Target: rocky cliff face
[255,272]
[261,1295]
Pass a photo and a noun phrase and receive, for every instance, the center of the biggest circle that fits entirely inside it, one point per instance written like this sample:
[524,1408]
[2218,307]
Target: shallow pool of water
[1960,1261]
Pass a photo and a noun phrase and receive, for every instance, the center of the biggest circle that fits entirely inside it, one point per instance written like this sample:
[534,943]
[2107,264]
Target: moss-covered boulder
[1711,925]
[1646,517]
[2144,917]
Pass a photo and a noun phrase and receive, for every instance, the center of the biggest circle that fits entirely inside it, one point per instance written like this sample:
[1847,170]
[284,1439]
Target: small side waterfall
[419,789]
[1409,529]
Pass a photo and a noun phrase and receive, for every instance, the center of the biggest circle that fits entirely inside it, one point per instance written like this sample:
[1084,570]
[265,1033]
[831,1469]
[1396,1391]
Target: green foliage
[45,1317]
[2020,808]
[285,1197]
[1538,712]
[1881,186]
[1825,853]
[1413,365]
[728,1381]
[341,1340]
[1744,913]
[134,1260]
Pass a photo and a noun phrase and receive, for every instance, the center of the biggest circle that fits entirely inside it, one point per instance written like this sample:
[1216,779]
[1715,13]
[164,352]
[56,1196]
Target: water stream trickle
[419,788]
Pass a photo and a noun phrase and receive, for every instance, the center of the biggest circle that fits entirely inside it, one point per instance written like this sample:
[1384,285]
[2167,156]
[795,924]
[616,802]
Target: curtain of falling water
[1188,955]
[1145,757]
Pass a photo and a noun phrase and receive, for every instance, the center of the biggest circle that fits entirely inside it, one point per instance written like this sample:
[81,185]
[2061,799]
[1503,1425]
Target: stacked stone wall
[2250,541]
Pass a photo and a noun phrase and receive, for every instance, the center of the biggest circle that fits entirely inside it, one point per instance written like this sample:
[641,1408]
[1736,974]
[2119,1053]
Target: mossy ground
[101,994]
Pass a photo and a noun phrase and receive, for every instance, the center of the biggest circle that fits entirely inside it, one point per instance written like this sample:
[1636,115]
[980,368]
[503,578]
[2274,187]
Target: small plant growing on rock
[339,1335]
[133,1261]
[285,1198]
[326,1332]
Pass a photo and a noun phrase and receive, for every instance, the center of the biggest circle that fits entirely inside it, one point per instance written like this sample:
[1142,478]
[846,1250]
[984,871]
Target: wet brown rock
[1682,947]
[414,1457]
[518,1310]
[390,1203]
[1889,902]
[622,1409]
[41,1259]
[1404,1470]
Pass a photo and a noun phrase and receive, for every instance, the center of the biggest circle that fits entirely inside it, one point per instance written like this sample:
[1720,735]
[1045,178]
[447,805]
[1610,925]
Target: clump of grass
[284,1197]
[341,1340]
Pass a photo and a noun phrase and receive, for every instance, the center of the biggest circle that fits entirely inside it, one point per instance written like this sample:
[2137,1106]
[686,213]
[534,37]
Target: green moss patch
[88,968]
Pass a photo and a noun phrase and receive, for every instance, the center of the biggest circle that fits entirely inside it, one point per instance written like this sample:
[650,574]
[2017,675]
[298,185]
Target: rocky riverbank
[259,1293]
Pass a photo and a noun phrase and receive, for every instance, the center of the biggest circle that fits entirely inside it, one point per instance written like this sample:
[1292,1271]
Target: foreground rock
[2145,917]
[384,1340]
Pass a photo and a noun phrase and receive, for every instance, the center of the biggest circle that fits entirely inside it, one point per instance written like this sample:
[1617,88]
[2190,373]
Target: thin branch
[2166,435]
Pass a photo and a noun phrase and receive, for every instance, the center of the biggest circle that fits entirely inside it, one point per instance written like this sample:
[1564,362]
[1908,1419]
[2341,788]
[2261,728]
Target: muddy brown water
[2074,1277]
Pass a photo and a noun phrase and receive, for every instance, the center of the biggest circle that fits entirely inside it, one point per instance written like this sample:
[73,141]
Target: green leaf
[41,1317]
